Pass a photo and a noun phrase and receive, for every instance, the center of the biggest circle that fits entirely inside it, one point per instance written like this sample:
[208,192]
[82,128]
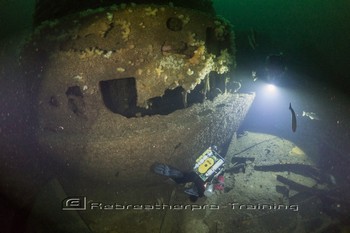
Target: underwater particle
[142,25]
[78,77]
[150,11]
[98,51]
[139,71]
[159,70]
[297,151]
[85,87]
[120,69]
[184,19]
[109,16]
[108,54]
[190,72]
[174,24]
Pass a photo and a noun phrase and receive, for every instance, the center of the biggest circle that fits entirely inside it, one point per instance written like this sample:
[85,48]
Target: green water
[314,34]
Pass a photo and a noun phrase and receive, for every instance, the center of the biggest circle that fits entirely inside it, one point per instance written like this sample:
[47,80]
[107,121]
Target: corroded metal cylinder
[116,89]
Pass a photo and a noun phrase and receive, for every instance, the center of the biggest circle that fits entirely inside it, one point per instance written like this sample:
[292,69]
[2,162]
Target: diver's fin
[192,191]
[165,170]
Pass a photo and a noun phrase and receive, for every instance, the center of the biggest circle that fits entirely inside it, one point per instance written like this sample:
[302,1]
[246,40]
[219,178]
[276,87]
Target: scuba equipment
[209,190]
[220,183]
[208,167]
[208,164]
[217,183]
[275,68]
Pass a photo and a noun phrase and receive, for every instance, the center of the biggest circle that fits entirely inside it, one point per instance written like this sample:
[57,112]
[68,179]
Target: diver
[205,177]
[275,68]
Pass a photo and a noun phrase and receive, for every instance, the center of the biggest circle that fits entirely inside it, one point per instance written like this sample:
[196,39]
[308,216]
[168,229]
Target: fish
[294,118]
[311,115]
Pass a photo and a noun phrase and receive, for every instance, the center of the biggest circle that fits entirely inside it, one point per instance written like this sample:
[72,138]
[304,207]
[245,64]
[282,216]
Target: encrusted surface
[156,49]
[128,147]
[134,41]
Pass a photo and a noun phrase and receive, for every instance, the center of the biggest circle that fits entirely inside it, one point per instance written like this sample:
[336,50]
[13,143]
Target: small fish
[294,118]
[311,115]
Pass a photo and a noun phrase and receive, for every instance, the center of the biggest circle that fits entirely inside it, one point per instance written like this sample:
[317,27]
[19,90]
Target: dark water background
[314,38]
[313,35]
